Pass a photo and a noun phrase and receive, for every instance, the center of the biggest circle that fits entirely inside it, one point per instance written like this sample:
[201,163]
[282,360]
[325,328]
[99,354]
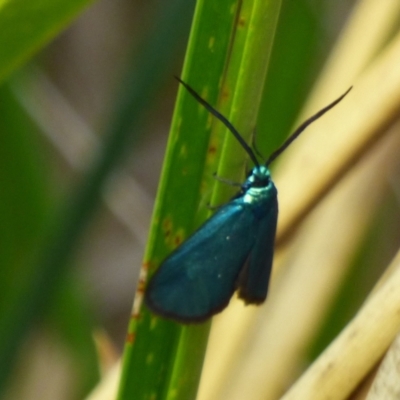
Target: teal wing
[254,277]
[198,279]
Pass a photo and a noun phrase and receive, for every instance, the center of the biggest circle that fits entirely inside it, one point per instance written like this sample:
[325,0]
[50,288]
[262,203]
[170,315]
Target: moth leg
[227,181]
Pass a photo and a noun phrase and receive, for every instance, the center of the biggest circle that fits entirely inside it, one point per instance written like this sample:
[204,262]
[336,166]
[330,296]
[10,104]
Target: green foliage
[28,25]
[236,55]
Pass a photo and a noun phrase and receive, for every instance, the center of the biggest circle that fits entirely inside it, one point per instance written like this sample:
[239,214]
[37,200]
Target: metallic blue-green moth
[232,251]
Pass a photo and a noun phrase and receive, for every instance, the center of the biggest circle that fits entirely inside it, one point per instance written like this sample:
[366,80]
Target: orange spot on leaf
[141,287]
[167,227]
[212,149]
[225,94]
[178,240]
[146,265]
[130,338]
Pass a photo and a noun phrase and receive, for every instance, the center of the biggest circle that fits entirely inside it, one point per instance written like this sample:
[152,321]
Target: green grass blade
[152,343]
[293,67]
[226,63]
[25,210]
[26,26]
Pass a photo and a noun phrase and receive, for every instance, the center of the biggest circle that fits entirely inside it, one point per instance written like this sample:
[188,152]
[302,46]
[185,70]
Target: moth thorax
[256,194]
[259,178]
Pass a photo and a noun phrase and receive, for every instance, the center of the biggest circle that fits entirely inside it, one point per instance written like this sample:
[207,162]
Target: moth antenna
[223,119]
[303,126]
